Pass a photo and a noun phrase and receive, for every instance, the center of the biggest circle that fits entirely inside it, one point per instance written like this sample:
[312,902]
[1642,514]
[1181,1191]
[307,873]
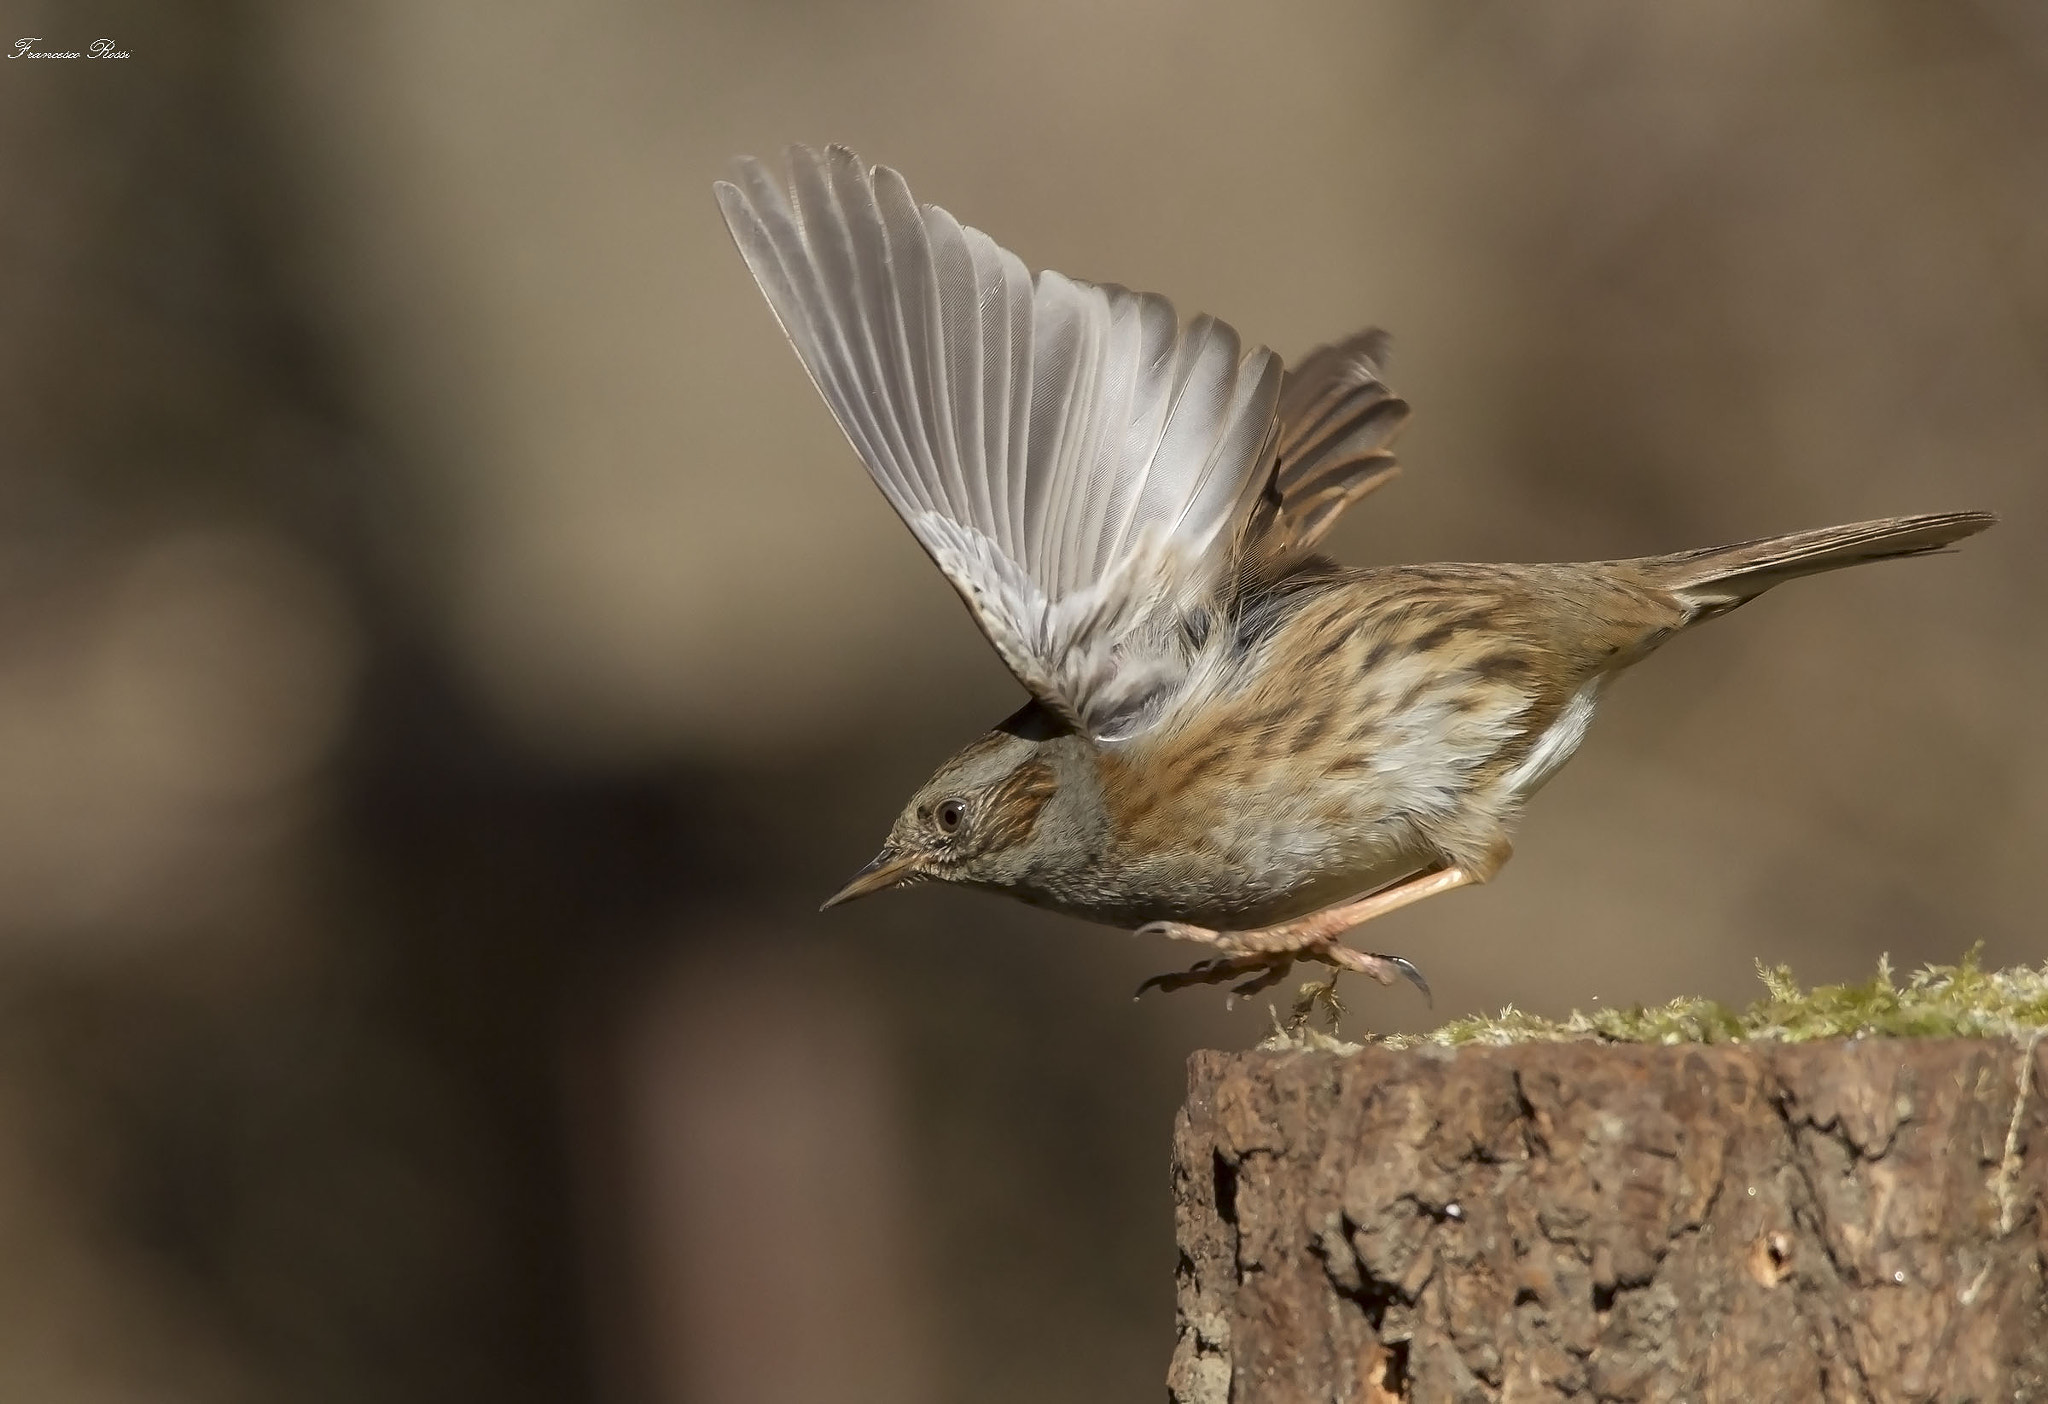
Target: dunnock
[1231,739]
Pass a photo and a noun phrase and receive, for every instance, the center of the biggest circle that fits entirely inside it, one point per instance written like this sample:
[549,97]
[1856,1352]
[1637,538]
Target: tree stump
[1856,1220]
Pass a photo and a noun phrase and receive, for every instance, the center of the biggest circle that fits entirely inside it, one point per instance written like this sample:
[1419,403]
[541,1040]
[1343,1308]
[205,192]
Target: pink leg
[1267,954]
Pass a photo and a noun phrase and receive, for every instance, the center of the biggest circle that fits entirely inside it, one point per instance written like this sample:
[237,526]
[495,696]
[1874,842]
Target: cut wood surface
[1849,1221]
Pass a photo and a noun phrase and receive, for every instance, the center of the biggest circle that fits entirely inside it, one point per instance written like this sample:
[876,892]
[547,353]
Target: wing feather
[1079,465]
[1336,419]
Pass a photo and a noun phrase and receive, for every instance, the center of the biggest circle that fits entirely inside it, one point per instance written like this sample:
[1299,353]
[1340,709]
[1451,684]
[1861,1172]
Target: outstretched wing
[1078,464]
[1337,417]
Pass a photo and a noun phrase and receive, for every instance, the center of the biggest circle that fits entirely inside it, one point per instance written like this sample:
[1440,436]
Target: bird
[1230,739]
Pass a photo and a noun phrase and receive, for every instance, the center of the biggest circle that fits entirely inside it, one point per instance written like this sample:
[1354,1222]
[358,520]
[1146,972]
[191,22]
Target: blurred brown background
[447,650]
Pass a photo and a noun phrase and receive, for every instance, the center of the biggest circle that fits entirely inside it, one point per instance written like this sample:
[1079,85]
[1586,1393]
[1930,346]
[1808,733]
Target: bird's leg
[1272,950]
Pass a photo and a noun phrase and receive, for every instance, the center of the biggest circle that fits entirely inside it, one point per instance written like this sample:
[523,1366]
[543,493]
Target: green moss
[1939,1001]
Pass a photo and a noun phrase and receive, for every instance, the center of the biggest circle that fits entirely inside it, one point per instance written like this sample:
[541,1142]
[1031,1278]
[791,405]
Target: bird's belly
[1271,874]
[1245,875]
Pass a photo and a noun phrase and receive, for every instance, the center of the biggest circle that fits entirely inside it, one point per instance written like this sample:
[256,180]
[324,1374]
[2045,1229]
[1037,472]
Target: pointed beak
[886,870]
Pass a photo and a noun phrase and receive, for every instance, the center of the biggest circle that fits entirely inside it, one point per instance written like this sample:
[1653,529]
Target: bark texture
[1834,1222]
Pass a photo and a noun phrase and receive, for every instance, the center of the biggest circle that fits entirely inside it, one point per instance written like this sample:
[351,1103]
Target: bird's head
[977,820]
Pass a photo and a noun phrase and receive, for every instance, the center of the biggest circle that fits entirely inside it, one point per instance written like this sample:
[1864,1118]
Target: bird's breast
[1321,773]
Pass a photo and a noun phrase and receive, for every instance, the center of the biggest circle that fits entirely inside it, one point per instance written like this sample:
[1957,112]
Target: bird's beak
[886,870]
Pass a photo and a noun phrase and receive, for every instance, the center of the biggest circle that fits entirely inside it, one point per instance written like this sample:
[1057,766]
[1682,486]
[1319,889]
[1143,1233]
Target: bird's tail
[1718,578]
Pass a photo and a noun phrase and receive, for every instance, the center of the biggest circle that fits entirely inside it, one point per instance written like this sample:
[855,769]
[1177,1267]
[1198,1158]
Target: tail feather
[1719,578]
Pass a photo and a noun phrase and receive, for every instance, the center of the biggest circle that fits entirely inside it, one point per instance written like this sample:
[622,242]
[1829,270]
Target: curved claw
[1202,972]
[1411,975]
[1166,984]
[1382,968]
[1176,931]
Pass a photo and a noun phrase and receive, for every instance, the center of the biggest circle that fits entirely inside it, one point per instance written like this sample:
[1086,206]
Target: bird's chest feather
[1301,790]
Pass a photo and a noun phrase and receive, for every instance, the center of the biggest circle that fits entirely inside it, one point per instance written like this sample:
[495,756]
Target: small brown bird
[1231,739]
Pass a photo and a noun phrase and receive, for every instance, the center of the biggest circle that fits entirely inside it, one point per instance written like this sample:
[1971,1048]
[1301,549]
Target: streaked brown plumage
[1232,739]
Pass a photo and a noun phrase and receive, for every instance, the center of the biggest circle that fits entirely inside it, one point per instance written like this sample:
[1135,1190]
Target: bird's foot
[1263,970]
[1266,957]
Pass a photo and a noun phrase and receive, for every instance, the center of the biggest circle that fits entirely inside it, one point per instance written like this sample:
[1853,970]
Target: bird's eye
[949,814]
